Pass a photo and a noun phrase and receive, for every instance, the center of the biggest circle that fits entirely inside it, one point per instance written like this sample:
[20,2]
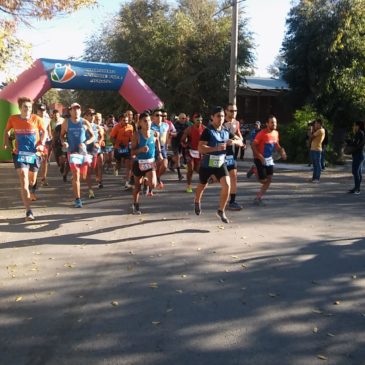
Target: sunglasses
[164,115]
[158,115]
[232,110]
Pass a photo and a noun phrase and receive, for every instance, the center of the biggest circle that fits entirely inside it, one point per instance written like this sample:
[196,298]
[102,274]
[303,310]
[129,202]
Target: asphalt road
[282,284]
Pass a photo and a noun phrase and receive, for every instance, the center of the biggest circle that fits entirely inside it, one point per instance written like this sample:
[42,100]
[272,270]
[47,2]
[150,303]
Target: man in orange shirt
[263,146]
[28,148]
[121,136]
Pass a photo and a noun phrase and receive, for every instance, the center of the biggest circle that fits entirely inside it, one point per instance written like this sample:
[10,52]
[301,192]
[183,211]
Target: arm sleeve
[205,135]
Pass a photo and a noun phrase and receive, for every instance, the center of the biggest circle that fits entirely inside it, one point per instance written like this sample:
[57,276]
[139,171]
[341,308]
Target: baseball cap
[258,123]
[41,107]
[75,105]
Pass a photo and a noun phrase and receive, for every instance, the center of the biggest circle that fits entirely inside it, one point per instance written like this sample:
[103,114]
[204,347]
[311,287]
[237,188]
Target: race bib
[194,153]
[145,165]
[108,149]
[123,150]
[269,161]
[216,160]
[230,161]
[76,159]
[26,157]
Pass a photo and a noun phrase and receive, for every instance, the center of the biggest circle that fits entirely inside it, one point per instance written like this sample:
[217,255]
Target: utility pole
[234,52]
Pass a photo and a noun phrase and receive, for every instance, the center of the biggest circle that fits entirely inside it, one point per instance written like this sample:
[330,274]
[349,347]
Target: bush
[293,137]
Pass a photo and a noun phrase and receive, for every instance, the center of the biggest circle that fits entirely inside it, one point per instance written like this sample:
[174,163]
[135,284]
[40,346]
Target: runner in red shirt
[263,147]
[190,140]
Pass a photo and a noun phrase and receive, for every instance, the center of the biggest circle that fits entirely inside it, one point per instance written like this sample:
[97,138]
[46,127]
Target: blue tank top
[90,147]
[215,138]
[150,142]
[75,135]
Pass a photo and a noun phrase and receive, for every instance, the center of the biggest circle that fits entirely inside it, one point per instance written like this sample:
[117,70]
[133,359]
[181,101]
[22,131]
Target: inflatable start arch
[45,74]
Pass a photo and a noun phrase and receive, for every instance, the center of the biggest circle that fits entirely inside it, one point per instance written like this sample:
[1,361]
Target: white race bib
[26,157]
[269,161]
[194,153]
[145,165]
[216,160]
[230,160]
[76,159]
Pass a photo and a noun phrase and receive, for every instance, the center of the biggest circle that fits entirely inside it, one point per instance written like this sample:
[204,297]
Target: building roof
[263,83]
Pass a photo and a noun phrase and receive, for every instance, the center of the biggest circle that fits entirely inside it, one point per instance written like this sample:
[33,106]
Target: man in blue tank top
[213,143]
[75,128]
[145,146]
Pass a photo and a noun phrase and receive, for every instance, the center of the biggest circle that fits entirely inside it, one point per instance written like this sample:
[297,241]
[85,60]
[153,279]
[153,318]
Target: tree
[181,52]
[324,53]
[277,67]
[14,50]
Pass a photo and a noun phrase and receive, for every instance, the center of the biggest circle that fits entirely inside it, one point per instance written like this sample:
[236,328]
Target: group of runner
[141,142]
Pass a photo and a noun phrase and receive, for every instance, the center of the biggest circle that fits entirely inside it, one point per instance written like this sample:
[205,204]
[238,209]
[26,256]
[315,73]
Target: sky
[64,37]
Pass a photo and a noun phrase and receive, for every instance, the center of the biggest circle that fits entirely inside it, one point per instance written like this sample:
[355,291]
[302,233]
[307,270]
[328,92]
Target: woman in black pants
[357,143]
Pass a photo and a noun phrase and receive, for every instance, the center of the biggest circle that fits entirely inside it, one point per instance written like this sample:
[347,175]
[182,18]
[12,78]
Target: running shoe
[135,209]
[222,216]
[259,202]
[78,203]
[315,181]
[189,189]
[44,182]
[116,172]
[150,194]
[250,172]
[354,191]
[181,178]
[234,206]
[33,197]
[160,185]
[197,208]
[100,185]
[126,186]
[29,216]
[91,194]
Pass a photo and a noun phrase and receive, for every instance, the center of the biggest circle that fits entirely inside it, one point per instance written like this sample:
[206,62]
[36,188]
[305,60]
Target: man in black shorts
[213,143]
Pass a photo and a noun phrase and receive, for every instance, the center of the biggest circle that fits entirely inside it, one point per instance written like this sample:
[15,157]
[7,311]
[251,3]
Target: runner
[176,146]
[162,129]
[233,128]
[145,142]
[232,124]
[42,113]
[213,143]
[121,135]
[60,152]
[263,146]
[76,127]
[190,140]
[29,145]
[100,157]
[92,149]
[108,148]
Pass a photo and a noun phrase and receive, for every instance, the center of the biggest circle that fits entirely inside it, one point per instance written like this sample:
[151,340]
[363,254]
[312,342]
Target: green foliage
[293,136]
[324,51]
[182,52]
